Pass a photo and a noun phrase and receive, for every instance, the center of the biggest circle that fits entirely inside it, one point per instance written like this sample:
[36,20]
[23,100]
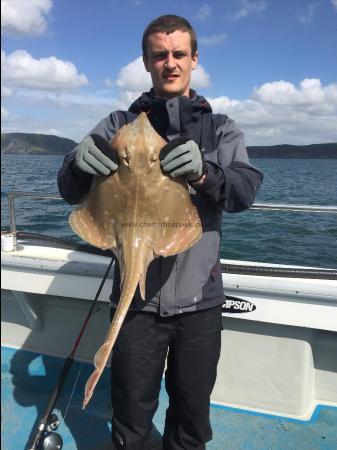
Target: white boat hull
[279,342]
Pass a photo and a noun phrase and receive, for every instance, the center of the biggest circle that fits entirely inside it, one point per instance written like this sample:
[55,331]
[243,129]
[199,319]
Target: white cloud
[310,92]
[308,15]
[247,8]
[222,104]
[4,113]
[200,78]
[281,113]
[21,70]
[203,13]
[215,39]
[126,98]
[334,3]
[133,77]
[74,115]
[5,91]
[24,17]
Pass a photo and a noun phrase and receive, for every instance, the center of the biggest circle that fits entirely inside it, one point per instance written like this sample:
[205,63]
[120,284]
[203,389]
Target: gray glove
[93,160]
[182,160]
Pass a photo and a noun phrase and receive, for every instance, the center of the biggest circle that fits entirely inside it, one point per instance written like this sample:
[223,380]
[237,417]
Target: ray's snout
[138,146]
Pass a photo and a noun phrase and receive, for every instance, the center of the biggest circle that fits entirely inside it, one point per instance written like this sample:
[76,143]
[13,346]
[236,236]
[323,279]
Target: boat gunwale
[227,266]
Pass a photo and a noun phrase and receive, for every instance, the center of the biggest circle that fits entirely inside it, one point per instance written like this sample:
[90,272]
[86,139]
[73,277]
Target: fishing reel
[51,440]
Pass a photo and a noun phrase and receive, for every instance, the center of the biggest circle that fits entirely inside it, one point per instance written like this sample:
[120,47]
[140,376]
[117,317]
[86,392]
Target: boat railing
[295,208]
[327,209]
[11,203]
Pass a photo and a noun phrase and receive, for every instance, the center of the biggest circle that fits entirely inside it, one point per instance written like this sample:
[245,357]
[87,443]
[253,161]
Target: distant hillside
[35,144]
[43,144]
[313,151]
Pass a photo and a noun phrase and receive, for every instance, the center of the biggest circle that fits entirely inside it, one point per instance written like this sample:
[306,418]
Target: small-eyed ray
[139,213]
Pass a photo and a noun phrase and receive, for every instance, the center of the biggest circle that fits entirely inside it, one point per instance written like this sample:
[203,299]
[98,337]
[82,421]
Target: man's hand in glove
[95,156]
[183,158]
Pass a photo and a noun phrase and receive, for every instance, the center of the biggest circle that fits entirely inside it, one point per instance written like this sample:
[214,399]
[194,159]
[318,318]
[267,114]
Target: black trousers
[191,342]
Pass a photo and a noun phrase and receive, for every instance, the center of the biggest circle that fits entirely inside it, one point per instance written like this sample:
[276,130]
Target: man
[181,316]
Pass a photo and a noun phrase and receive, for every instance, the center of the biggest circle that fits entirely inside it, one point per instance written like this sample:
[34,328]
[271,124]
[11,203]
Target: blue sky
[269,64]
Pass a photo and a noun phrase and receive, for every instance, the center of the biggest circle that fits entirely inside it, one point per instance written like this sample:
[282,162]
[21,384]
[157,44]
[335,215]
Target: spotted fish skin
[139,213]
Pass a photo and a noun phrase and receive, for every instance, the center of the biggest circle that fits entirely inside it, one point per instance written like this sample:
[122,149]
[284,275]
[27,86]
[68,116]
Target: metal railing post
[11,214]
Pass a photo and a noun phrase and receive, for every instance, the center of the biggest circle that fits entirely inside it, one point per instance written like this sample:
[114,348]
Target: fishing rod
[45,437]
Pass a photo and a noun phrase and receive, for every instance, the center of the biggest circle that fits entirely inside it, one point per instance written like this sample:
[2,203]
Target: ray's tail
[131,279]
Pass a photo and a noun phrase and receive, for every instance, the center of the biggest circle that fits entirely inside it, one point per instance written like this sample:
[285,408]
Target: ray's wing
[180,226]
[180,238]
[94,219]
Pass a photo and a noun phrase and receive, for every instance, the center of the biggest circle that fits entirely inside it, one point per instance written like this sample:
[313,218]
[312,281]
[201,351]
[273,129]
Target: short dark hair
[168,24]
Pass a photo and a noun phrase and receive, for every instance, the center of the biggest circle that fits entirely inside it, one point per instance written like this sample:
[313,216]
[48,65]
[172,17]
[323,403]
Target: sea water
[266,236]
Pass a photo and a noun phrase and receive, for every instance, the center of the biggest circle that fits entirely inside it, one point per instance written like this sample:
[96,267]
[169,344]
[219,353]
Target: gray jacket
[190,280]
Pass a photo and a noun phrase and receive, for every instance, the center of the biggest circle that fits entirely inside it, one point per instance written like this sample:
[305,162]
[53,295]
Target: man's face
[170,62]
